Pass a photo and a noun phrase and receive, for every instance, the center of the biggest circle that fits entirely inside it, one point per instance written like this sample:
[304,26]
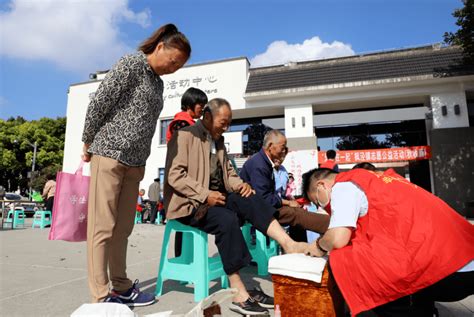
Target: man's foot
[133,297]
[263,299]
[249,307]
[297,247]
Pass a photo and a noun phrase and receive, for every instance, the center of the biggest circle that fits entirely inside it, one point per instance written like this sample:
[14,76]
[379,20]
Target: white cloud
[75,35]
[280,52]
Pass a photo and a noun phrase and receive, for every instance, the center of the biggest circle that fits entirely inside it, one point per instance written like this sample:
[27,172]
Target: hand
[314,250]
[245,190]
[86,157]
[293,203]
[215,199]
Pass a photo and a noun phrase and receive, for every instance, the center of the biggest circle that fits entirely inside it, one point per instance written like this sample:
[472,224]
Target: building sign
[175,87]
[412,153]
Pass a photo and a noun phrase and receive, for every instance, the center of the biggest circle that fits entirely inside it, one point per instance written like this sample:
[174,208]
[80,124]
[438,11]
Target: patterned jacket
[122,116]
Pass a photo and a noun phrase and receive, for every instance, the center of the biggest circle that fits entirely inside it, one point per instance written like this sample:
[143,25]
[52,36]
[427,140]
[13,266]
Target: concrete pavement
[49,278]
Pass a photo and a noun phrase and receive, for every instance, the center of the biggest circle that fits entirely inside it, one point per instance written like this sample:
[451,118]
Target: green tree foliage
[464,37]
[255,132]
[16,152]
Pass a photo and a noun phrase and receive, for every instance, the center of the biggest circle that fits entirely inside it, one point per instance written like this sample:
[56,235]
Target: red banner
[411,153]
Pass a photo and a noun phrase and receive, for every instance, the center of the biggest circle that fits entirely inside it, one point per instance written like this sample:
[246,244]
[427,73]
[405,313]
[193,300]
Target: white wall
[450,120]
[299,121]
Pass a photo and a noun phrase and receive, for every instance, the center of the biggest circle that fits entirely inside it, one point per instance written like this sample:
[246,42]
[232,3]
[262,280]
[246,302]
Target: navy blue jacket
[258,172]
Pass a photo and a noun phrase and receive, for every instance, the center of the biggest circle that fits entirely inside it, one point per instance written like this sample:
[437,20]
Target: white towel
[298,265]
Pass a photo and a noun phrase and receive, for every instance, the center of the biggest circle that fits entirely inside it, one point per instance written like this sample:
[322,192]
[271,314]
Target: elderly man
[202,190]
[258,172]
[394,247]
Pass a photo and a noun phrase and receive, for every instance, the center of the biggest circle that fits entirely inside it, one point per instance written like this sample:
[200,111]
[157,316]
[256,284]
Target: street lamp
[35,146]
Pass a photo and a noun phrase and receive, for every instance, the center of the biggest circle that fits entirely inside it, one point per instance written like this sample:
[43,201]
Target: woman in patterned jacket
[119,126]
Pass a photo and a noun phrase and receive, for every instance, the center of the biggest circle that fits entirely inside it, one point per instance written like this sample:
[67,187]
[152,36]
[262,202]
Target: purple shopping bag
[70,207]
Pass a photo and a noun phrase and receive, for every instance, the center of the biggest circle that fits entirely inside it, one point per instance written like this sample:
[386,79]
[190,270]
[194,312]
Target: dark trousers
[225,221]
[49,204]
[454,287]
[302,219]
[153,211]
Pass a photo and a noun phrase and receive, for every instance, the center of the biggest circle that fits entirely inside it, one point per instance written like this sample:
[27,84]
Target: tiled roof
[438,62]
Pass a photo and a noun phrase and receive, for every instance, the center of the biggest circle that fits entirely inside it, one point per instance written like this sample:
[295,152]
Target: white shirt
[349,203]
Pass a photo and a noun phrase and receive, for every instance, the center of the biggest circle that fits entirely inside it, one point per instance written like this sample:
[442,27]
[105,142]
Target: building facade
[410,101]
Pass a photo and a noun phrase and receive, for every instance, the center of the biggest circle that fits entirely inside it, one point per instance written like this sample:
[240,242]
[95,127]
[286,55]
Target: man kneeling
[203,190]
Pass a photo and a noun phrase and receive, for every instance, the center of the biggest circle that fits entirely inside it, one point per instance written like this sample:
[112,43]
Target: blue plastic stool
[193,265]
[40,219]
[138,217]
[17,216]
[261,251]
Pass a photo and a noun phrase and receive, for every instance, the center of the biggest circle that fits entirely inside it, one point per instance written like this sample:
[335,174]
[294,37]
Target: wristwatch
[319,246]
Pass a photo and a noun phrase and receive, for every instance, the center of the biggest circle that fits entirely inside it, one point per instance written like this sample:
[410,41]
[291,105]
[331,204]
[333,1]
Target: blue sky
[47,45]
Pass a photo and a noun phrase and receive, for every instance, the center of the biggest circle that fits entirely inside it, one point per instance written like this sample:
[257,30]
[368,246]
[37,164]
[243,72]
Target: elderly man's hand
[245,190]
[215,199]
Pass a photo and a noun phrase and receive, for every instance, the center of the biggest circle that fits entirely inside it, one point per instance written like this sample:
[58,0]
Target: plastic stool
[138,217]
[17,216]
[261,251]
[158,219]
[40,219]
[193,265]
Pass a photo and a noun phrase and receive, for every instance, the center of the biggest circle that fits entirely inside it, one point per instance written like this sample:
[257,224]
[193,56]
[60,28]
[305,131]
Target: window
[164,123]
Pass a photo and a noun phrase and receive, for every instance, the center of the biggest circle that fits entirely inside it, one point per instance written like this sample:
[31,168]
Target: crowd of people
[393,247]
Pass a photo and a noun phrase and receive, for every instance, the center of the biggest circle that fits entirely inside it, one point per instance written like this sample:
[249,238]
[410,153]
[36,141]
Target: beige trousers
[113,196]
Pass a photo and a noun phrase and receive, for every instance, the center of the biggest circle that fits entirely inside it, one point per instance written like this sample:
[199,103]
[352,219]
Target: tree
[255,133]
[464,37]
[16,152]
[358,142]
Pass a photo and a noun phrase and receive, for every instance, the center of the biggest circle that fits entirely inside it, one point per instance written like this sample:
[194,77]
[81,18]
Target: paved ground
[49,278]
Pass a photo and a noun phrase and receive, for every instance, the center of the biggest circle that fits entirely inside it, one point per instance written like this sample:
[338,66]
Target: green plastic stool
[158,219]
[17,216]
[138,217]
[40,219]
[193,265]
[261,251]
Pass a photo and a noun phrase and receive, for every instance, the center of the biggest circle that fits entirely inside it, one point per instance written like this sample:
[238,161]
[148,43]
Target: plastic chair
[261,251]
[40,219]
[193,265]
[17,216]
[138,217]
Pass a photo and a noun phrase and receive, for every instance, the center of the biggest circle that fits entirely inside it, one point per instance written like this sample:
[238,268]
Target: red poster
[411,153]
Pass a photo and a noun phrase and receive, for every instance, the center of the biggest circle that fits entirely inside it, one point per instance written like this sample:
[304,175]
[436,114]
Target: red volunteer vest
[328,164]
[180,116]
[409,239]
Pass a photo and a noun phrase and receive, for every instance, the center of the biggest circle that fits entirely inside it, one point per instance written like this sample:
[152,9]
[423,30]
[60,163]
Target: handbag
[69,221]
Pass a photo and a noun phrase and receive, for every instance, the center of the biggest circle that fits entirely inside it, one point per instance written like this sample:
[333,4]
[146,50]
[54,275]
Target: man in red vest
[331,161]
[394,248]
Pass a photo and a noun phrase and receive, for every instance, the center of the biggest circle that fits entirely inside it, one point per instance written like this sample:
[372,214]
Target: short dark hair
[331,154]
[315,174]
[365,165]
[192,97]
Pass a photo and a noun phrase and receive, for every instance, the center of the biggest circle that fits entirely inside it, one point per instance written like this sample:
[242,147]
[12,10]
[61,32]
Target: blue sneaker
[112,299]
[134,298]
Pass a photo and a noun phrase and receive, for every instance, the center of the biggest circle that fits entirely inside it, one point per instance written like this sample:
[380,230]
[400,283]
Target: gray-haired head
[272,136]
[214,105]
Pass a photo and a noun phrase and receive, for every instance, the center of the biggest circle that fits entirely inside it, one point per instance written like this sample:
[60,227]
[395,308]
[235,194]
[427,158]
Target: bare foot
[297,247]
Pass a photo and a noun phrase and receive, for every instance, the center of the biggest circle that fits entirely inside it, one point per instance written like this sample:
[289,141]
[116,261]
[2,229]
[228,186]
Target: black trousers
[454,287]
[49,204]
[225,221]
[153,211]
